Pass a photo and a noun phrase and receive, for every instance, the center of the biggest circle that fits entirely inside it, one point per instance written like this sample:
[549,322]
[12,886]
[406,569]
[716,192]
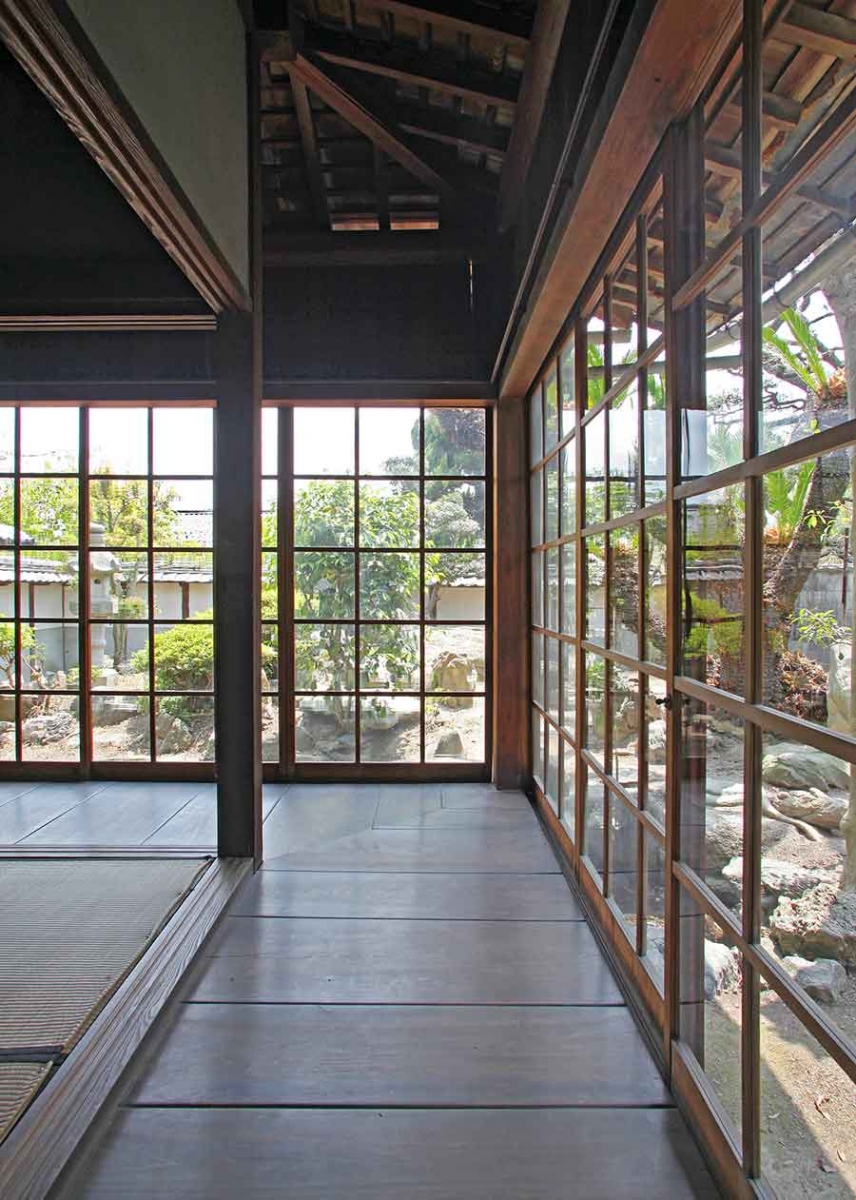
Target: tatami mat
[19,1082]
[69,931]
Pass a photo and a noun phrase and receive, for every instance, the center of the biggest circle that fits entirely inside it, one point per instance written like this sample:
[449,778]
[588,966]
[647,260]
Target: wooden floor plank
[23,816]
[255,1154]
[405,962]
[518,850]
[120,814]
[196,823]
[314,815]
[10,790]
[481,795]
[387,1056]
[410,808]
[427,896]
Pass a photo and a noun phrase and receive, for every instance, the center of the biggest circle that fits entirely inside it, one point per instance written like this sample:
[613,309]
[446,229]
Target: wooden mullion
[490,535]
[16,598]
[580,396]
[423,685]
[358,629]
[285,591]
[84,604]
[150,589]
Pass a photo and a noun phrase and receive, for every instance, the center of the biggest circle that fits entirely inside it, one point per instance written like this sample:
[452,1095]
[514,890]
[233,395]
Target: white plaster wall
[181,65]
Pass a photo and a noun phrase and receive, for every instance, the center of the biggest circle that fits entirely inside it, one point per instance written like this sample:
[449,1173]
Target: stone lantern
[103,604]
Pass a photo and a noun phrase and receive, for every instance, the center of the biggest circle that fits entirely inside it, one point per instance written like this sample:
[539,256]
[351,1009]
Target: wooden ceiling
[384,117]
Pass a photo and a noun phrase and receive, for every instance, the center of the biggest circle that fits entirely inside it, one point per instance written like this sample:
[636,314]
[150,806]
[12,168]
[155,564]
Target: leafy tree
[49,510]
[184,661]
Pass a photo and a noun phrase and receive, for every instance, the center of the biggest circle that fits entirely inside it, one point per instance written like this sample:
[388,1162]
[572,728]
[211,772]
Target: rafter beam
[303,109]
[724,161]
[411,67]
[440,125]
[459,16]
[779,111]
[811,29]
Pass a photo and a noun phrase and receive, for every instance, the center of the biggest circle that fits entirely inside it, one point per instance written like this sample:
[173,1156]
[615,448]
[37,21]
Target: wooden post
[510,596]
[237,587]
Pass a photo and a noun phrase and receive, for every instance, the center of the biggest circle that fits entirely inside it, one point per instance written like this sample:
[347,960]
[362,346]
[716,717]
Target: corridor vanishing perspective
[405,1001]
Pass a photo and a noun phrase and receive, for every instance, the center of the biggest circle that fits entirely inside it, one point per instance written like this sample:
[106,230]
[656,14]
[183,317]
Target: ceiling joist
[459,16]
[812,29]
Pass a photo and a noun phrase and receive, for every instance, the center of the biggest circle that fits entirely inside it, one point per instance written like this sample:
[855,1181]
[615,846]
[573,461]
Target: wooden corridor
[406,1001]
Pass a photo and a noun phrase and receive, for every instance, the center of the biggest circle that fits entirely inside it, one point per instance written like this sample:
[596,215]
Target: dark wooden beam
[466,17]
[450,129]
[550,20]
[811,29]
[53,49]
[104,322]
[366,119]
[722,160]
[778,111]
[303,109]
[411,67]
[374,249]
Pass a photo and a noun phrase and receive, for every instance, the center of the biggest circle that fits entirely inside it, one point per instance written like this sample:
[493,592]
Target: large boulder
[813,805]
[794,766]
[449,745]
[723,836]
[52,727]
[779,878]
[819,924]
[720,968]
[824,979]
[839,699]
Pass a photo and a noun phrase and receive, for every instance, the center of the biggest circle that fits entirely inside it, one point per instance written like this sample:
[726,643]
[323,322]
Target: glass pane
[624,696]
[595,588]
[551,411]
[50,654]
[324,513]
[537,668]
[538,588]
[120,656]
[389,514]
[389,441]
[7,440]
[537,734]
[554,768]
[654,728]
[552,698]
[49,511]
[120,728]
[269,512]
[455,658]
[711,790]
[551,615]
[710,1014]
[324,729]
[270,585]
[270,658]
[623,835]
[324,441]
[594,441]
[184,728]
[654,901]
[654,432]
[454,515]
[624,590]
[184,658]
[568,563]
[595,801]
[455,587]
[569,793]
[7,658]
[323,584]
[569,689]
[569,487]
[389,586]
[389,657]
[536,432]
[624,453]
[568,376]
[655,591]
[595,702]
[118,441]
[7,512]
[119,512]
[595,359]
[536,508]
[49,439]
[454,441]
[390,729]
[713,592]
[270,441]
[551,482]
[270,729]
[7,587]
[184,513]
[183,441]
[324,658]
[49,584]
[454,728]
[52,736]
[184,586]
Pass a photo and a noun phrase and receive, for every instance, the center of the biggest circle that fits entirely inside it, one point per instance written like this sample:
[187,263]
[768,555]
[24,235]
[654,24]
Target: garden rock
[795,767]
[52,727]
[723,836]
[176,738]
[824,979]
[113,710]
[781,878]
[657,741]
[822,808]
[720,968]
[449,746]
[819,924]
[451,673]
[838,698]
[303,741]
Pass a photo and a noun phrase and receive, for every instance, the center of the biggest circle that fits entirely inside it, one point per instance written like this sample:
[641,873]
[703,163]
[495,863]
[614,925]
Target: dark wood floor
[405,1002]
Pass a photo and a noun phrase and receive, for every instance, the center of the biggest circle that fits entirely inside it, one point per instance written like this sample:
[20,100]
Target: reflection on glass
[594,435]
[49,439]
[390,729]
[536,508]
[389,441]
[269,650]
[324,658]
[270,729]
[389,657]
[324,441]
[536,430]
[654,727]
[454,441]
[324,729]
[118,441]
[537,668]
[624,453]
[324,512]
[595,704]
[569,487]
[551,483]
[183,441]
[654,432]
[454,728]
[595,359]
[654,907]
[455,587]
[455,658]
[710,980]
[655,591]
[554,768]
[713,593]
[389,514]
[538,588]
[538,747]
[323,584]
[552,697]
[712,434]
[270,437]
[552,596]
[568,567]
[569,690]
[624,590]
[569,791]
[595,590]
[624,698]
[551,411]
[594,816]
[567,370]
[454,515]
[623,833]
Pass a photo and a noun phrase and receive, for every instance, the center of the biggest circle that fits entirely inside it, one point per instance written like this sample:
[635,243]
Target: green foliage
[7,649]
[785,496]
[184,661]
[711,629]
[49,510]
[801,352]
[818,628]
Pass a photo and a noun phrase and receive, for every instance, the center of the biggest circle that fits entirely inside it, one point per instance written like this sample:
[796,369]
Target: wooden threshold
[43,1141]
